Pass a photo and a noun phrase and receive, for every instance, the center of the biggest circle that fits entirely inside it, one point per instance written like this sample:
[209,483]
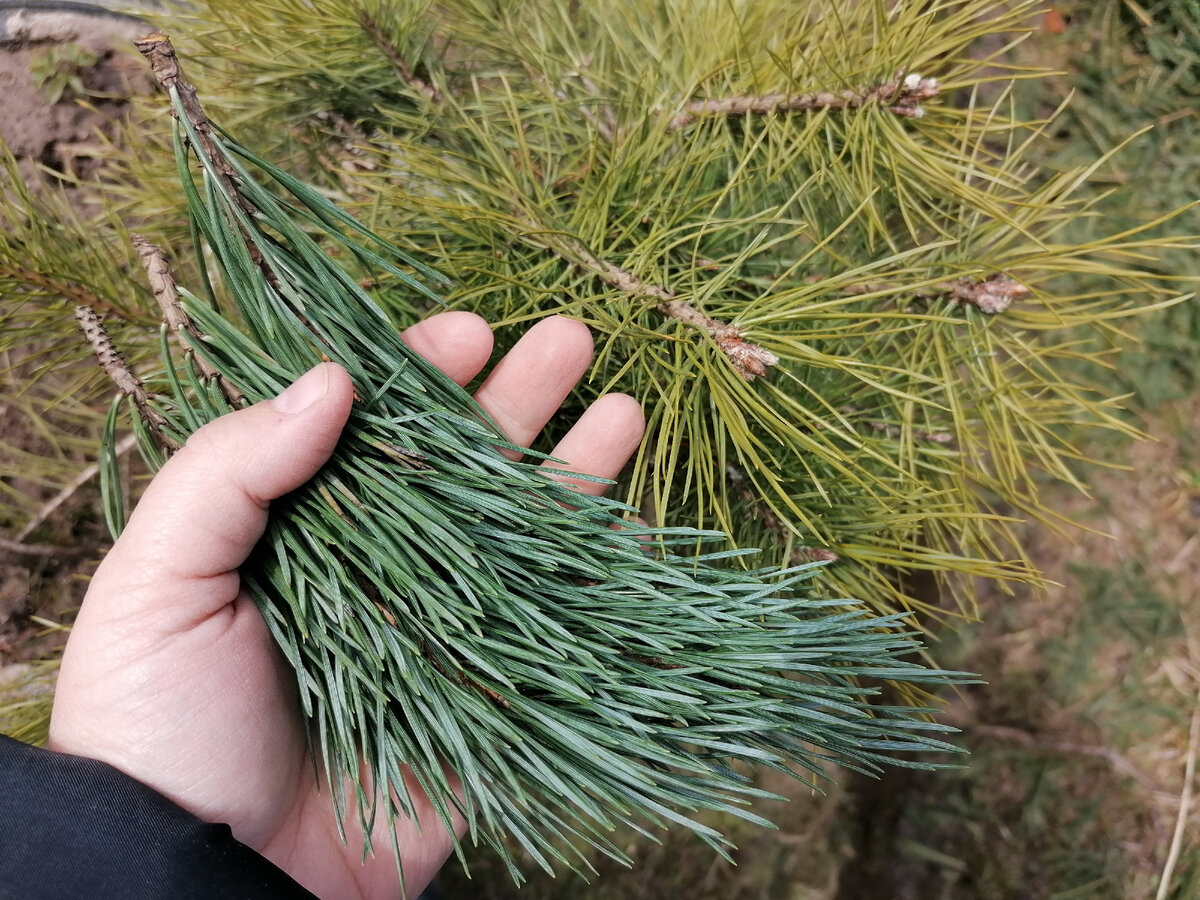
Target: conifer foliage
[825,266]
[447,609]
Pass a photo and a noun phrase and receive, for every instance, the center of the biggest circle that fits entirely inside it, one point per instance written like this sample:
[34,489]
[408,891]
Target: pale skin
[170,674]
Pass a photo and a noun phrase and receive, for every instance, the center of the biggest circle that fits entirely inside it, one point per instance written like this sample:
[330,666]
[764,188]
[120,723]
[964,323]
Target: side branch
[160,54]
[70,290]
[388,48]
[901,97]
[750,360]
[114,366]
[992,295]
[162,285]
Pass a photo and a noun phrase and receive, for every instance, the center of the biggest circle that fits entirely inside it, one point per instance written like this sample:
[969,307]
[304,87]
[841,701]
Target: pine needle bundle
[447,609]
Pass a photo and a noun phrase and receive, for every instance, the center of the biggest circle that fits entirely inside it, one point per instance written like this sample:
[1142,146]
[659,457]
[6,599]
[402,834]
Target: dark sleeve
[77,828]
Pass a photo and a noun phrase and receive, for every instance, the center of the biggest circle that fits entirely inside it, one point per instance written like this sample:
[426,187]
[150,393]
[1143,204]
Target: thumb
[205,510]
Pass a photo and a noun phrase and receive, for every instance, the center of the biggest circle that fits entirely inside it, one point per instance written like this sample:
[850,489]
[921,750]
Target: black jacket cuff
[72,827]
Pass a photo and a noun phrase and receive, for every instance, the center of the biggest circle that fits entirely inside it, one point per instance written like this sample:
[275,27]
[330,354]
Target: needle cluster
[449,610]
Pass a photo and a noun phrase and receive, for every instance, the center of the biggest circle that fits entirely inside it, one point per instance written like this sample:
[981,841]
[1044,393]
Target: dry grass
[1083,742]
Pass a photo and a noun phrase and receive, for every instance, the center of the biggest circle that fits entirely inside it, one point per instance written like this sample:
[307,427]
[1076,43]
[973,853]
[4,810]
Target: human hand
[170,674]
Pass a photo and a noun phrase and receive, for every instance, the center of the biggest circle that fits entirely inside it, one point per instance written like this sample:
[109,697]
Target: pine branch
[114,366]
[448,608]
[162,285]
[164,65]
[69,290]
[388,48]
[991,295]
[749,360]
[902,97]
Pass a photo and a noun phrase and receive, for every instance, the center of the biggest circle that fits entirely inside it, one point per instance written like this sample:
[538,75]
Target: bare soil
[43,575]
[67,136]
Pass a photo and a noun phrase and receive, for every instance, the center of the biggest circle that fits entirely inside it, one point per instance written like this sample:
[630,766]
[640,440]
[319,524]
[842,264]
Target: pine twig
[164,64]
[606,122]
[992,295]
[644,679]
[749,360]
[387,47]
[109,357]
[114,366]
[162,285]
[602,118]
[902,97]
[605,126]
[69,290]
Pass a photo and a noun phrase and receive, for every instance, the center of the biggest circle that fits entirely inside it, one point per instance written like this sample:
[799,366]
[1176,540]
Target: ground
[64,81]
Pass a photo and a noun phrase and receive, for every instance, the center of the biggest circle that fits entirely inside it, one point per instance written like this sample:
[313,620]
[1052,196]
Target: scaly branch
[162,284]
[991,295]
[164,64]
[750,360]
[901,97]
[387,47]
[159,52]
[114,366]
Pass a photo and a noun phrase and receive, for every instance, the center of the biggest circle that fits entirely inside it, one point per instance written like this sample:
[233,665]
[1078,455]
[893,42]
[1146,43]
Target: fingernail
[304,392]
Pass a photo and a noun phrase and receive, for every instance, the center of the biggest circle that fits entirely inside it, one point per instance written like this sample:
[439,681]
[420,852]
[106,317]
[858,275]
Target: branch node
[750,360]
[806,554]
[992,295]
